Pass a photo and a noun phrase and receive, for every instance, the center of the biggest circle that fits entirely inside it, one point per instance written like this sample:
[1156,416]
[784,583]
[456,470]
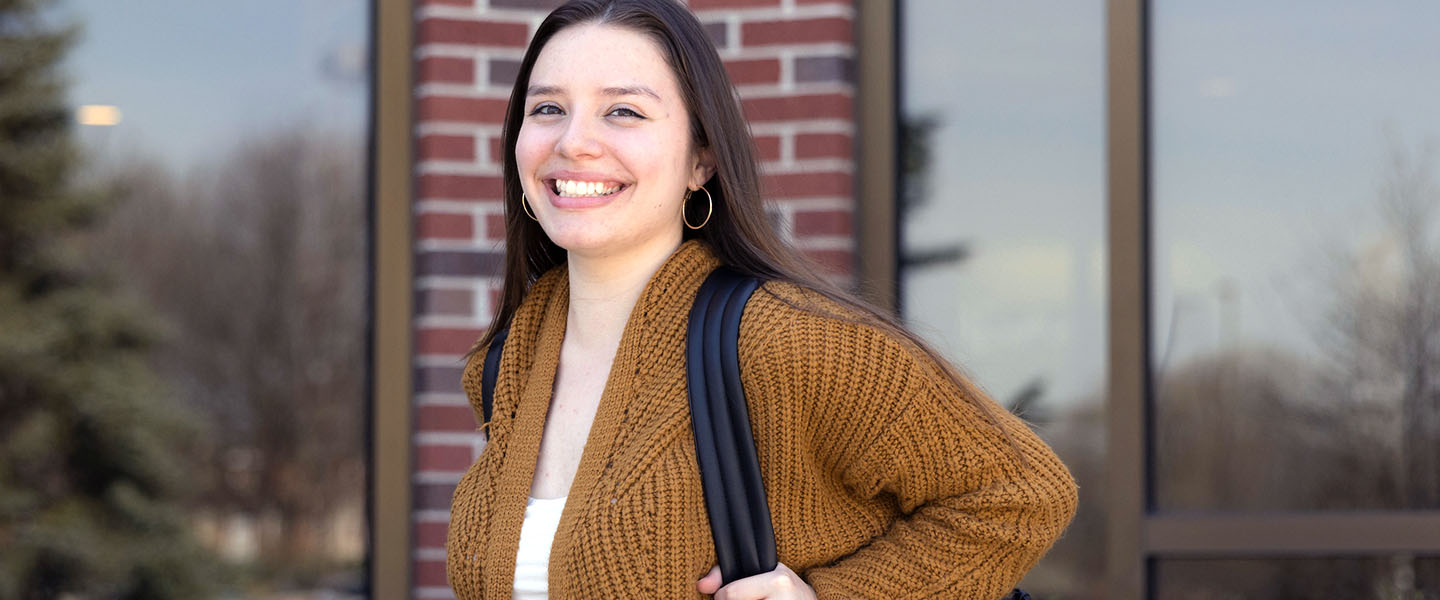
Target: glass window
[1296,267]
[228,141]
[1002,225]
[1397,576]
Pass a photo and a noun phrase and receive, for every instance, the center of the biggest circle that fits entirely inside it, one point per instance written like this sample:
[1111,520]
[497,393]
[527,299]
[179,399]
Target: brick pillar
[793,63]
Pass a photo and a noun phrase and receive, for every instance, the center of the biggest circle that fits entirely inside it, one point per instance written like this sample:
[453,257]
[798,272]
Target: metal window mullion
[877,152]
[391,280]
[1293,534]
[1128,317]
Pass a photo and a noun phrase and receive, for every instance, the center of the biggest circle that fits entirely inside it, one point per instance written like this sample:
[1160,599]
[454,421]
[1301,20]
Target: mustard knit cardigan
[883,480]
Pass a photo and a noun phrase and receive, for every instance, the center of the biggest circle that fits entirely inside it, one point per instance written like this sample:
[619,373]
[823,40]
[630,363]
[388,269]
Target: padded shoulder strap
[724,445]
[487,377]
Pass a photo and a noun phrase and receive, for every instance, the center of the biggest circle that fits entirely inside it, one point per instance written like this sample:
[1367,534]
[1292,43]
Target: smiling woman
[597,150]
[888,473]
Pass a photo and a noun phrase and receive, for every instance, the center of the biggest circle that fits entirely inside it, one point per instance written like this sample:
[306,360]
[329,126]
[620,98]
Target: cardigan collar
[536,333]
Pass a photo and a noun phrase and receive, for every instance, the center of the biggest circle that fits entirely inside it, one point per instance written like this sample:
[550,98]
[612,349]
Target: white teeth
[567,187]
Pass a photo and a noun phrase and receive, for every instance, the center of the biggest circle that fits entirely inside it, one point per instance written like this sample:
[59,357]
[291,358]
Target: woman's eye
[545,109]
[625,112]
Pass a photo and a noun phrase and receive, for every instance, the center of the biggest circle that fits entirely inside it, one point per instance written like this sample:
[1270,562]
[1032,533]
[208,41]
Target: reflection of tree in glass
[916,135]
[92,456]
[1385,325]
[916,159]
[1258,428]
[257,262]
[1265,428]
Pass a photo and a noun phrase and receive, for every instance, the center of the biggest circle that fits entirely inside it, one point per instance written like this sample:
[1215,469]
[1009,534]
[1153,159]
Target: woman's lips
[580,202]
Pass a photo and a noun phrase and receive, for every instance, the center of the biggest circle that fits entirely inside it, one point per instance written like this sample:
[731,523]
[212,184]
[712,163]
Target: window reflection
[1002,218]
[1297,266]
[229,140]
[1398,576]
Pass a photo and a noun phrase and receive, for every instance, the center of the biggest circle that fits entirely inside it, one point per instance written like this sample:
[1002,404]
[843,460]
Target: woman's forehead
[602,59]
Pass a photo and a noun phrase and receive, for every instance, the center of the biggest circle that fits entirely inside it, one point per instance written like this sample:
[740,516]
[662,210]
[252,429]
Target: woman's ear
[704,168]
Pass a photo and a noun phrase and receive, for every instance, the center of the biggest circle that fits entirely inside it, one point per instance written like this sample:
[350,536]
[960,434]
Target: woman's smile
[569,190]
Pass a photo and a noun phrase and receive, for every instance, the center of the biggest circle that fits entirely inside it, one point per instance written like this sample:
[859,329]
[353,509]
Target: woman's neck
[604,289]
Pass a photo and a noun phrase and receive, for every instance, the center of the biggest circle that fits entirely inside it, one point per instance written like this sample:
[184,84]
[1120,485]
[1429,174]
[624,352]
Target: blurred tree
[1383,331]
[1382,335]
[1253,428]
[259,272]
[90,454]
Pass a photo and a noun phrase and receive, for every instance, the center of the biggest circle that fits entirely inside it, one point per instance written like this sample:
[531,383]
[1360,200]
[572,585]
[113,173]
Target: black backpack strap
[724,445]
[487,376]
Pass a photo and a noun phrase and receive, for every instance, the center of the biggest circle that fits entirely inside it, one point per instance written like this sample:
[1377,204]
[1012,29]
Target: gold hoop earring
[526,208]
[709,201]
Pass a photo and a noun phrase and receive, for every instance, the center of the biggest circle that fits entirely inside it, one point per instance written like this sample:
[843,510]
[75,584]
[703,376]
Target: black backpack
[724,445]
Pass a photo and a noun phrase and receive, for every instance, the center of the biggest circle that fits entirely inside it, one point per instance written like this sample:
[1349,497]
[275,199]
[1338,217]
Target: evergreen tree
[91,456]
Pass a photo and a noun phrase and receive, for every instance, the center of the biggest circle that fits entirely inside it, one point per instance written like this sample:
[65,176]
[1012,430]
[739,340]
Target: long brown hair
[739,233]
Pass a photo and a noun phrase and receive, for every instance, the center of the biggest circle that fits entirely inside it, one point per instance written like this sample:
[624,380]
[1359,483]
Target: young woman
[629,175]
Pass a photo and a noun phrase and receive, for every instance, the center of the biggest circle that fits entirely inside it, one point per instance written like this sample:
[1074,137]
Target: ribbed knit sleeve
[979,497]
[975,515]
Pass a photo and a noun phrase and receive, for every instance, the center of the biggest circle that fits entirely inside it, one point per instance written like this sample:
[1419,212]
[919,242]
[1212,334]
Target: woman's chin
[582,239]
[594,240]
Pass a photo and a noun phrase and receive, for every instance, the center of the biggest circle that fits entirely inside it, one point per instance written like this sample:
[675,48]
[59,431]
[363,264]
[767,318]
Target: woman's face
[604,150]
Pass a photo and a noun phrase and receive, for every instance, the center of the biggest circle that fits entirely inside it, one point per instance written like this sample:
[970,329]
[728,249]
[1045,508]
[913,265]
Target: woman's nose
[578,140]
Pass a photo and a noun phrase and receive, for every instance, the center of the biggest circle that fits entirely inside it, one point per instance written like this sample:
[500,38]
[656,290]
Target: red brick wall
[793,62]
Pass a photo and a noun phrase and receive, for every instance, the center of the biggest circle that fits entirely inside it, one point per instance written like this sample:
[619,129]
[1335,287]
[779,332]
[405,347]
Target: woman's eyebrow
[631,90]
[627,90]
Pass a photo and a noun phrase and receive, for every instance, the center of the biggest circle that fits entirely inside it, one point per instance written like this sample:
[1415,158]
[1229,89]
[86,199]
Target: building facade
[1036,192]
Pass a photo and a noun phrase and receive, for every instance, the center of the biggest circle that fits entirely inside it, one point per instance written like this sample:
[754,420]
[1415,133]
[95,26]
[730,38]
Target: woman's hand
[780,584]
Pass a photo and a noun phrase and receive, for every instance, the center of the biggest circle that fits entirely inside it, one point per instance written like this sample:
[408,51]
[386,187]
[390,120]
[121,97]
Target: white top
[532,562]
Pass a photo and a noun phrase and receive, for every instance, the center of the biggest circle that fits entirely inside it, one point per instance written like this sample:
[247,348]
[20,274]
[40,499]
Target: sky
[1271,128]
[193,78]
